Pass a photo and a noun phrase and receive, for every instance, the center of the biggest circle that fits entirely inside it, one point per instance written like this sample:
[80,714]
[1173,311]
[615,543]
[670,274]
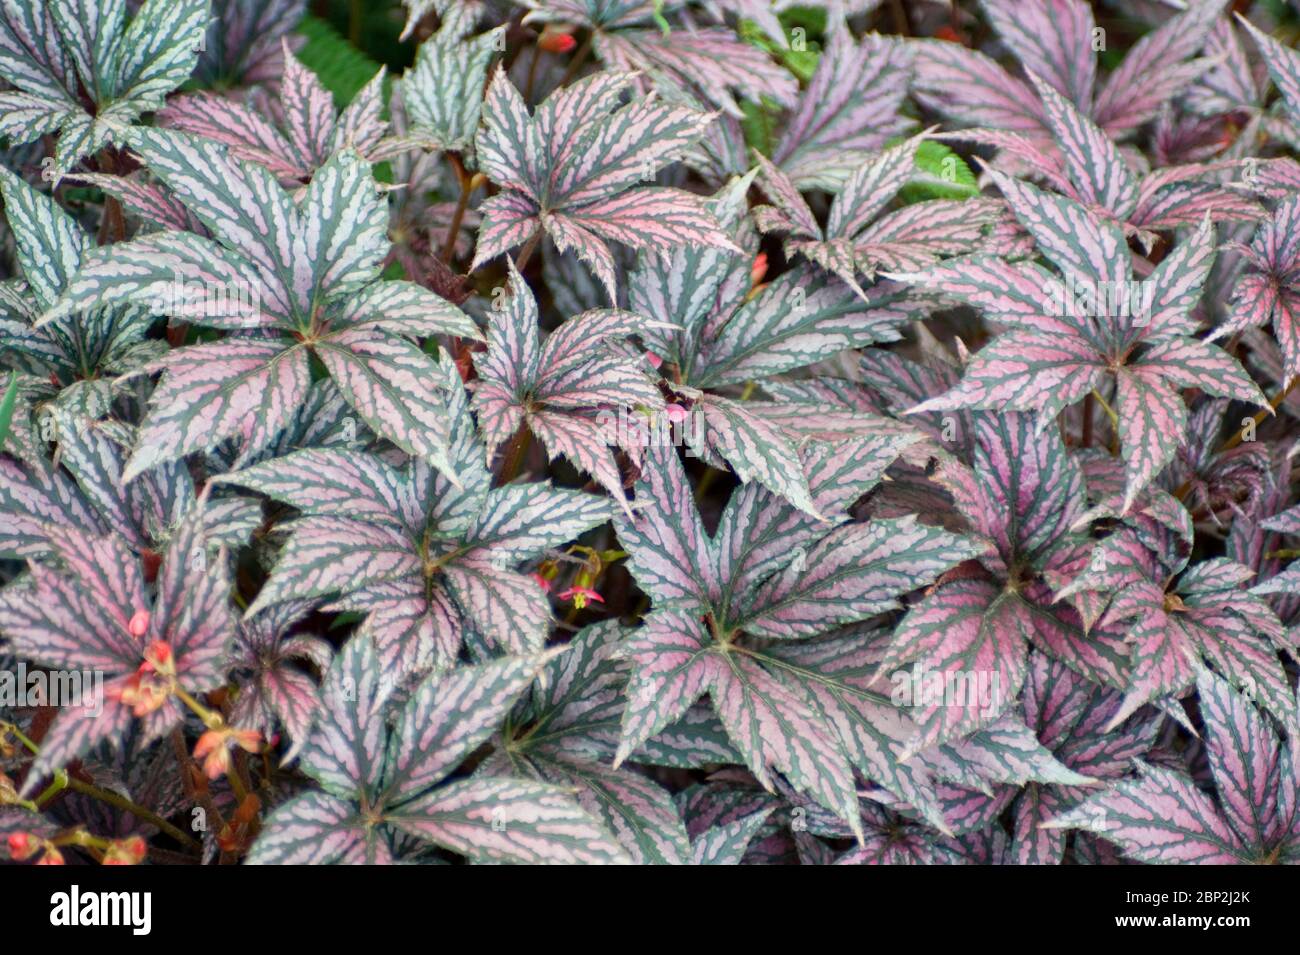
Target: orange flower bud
[552,41]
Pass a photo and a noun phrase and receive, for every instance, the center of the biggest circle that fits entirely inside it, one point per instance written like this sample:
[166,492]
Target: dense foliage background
[648,430]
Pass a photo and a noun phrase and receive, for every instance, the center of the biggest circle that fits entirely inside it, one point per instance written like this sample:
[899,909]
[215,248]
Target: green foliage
[802,63]
[7,406]
[942,175]
[342,68]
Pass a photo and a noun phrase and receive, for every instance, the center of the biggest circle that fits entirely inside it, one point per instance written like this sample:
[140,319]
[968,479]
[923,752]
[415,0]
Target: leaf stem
[112,228]
[64,780]
[1105,405]
[356,10]
[19,735]
[578,60]
[211,719]
[56,786]
[532,73]
[900,18]
[1259,417]
[513,462]
[121,802]
[529,248]
[1114,420]
[464,180]
[1250,425]
[1085,439]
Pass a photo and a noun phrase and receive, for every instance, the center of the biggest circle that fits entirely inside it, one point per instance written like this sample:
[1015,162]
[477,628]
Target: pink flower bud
[138,625]
[21,846]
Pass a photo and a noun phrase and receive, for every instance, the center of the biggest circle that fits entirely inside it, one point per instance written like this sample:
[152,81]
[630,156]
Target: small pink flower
[250,741]
[580,596]
[211,748]
[214,746]
[655,360]
[676,413]
[541,582]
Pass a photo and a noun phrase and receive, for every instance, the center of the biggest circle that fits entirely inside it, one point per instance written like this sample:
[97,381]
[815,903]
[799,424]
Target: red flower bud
[158,657]
[553,42]
[22,846]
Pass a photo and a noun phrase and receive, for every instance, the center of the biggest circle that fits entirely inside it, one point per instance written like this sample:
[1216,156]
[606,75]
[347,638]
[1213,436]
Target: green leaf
[758,124]
[941,174]
[341,67]
[7,407]
[802,63]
